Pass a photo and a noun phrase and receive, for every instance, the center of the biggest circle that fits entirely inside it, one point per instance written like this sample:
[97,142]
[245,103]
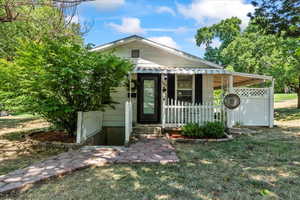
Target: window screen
[185,88]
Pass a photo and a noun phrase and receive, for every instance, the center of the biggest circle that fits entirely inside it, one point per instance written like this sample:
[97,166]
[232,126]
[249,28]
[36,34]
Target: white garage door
[256,107]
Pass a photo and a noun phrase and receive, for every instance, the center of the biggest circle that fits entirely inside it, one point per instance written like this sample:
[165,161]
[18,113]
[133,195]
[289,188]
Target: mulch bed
[53,136]
[177,137]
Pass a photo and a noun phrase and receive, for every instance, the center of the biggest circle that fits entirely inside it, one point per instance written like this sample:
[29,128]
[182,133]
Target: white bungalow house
[169,88]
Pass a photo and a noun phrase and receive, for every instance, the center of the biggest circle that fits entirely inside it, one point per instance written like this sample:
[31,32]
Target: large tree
[41,22]
[266,54]
[45,68]
[225,32]
[58,78]
[270,44]
[277,17]
[19,10]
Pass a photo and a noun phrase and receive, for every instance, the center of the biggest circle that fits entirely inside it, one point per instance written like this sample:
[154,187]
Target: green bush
[213,129]
[192,130]
[208,130]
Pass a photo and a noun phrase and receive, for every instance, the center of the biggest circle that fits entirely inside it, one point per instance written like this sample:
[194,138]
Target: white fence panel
[256,108]
[128,121]
[88,124]
[177,113]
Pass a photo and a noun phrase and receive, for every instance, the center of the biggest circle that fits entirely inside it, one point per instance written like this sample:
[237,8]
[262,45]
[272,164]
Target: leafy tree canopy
[40,23]
[58,78]
[45,68]
[277,17]
[270,44]
[225,31]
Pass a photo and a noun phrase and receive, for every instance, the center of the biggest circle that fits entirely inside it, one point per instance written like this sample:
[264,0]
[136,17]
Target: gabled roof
[174,51]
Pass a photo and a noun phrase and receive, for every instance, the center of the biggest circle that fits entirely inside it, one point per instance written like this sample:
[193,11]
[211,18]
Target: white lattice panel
[251,92]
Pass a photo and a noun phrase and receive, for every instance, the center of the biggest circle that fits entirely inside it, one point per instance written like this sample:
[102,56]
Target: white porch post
[129,87]
[229,112]
[271,104]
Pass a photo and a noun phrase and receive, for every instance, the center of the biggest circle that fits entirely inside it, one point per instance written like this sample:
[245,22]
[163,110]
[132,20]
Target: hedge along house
[169,88]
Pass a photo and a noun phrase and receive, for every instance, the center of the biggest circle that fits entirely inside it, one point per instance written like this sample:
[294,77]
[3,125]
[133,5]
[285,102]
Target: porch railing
[176,113]
[128,121]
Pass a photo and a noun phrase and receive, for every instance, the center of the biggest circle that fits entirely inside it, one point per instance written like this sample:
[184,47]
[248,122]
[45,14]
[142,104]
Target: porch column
[129,87]
[230,120]
[271,104]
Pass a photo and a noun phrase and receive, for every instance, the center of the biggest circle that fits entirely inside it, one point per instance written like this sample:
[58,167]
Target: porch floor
[147,150]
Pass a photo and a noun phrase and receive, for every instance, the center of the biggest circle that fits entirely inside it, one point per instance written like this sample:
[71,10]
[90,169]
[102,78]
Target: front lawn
[284,97]
[261,166]
[286,114]
[15,151]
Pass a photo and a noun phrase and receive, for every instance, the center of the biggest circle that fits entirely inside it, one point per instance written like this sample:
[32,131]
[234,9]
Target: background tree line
[269,45]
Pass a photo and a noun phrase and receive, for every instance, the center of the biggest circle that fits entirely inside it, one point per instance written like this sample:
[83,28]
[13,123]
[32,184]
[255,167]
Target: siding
[156,55]
[116,117]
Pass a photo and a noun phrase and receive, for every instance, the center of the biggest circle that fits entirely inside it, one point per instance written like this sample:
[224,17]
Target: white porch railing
[128,121]
[176,113]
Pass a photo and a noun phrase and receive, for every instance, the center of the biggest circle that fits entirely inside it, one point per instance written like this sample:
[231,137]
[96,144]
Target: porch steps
[142,130]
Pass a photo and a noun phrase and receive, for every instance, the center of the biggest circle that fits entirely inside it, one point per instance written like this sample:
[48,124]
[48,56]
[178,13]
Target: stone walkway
[155,150]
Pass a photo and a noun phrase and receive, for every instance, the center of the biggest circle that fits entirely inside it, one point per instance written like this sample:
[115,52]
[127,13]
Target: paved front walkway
[155,150]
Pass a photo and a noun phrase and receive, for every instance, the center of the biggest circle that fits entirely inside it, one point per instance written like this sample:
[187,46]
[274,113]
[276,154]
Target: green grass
[284,97]
[261,166]
[287,114]
[15,151]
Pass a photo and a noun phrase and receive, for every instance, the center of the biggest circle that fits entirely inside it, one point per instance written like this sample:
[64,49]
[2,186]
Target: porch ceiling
[220,75]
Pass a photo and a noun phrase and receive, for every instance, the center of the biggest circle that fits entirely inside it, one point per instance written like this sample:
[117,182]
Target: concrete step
[147,130]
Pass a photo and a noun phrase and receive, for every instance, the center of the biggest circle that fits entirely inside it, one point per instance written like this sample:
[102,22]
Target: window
[149,97]
[135,53]
[184,87]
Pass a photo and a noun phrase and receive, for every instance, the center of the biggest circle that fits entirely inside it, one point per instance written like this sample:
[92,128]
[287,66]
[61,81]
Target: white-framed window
[184,87]
[135,53]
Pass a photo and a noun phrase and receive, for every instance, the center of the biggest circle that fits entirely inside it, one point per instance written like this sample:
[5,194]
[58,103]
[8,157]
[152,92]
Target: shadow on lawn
[14,122]
[287,114]
[251,167]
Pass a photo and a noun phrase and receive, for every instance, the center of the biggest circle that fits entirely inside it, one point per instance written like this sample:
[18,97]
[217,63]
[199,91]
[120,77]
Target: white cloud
[165,9]
[129,26]
[107,5]
[166,40]
[211,11]
[175,30]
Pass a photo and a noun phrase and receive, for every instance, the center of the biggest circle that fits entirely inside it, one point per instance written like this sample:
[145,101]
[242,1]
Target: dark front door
[149,98]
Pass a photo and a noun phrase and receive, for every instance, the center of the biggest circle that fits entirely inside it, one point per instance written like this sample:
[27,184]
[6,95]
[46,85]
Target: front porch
[196,96]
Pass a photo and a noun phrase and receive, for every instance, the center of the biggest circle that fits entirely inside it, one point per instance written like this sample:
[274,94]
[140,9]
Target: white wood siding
[156,55]
[115,117]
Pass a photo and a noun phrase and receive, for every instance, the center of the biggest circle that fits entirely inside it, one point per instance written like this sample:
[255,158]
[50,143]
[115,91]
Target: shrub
[213,129]
[192,130]
[208,130]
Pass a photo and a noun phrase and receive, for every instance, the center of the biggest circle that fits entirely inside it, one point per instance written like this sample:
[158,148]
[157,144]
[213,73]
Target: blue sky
[172,22]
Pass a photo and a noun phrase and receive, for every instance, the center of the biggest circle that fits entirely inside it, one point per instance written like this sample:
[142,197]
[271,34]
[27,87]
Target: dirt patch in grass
[10,124]
[15,150]
[52,136]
